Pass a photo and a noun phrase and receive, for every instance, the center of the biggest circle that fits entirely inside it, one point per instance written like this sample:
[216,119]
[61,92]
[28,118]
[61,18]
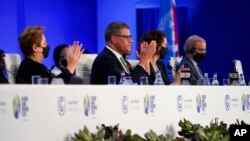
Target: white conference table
[55,112]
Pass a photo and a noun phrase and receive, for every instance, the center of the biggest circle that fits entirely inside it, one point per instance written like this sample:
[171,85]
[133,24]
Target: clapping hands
[147,51]
[73,55]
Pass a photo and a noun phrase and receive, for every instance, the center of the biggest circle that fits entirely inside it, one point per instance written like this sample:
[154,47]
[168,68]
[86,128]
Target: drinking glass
[226,82]
[43,81]
[143,80]
[34,79]
[112,80]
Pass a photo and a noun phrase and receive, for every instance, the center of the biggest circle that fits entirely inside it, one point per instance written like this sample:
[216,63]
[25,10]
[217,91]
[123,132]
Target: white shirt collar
[118,55]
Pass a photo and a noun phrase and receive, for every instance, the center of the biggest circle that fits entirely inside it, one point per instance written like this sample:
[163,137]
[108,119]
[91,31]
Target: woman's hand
[73,56]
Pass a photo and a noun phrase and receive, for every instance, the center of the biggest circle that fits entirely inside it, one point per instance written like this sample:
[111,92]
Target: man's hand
[177,77]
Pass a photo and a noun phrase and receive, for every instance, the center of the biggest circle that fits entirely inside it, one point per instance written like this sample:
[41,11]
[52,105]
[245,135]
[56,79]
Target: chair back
[83,69]
[12,62]
[133,63]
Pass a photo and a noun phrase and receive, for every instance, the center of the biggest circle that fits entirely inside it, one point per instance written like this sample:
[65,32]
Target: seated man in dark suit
[3,72]
[111,62]
[195,51]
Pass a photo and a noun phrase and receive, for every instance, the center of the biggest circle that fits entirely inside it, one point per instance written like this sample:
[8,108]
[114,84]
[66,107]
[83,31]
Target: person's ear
[113,39]
[35,48]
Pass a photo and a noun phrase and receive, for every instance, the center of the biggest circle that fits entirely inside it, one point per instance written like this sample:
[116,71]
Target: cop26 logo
[198,103]
[86,105]
[245,101]
[149,104]
[201,103]
[20,106]
[16,106]
[146,104]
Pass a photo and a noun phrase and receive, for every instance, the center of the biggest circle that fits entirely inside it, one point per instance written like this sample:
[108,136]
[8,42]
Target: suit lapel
[193,68]
[111,54]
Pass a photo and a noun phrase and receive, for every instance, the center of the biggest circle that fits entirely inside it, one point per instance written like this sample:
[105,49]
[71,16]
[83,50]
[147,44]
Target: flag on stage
[167,23]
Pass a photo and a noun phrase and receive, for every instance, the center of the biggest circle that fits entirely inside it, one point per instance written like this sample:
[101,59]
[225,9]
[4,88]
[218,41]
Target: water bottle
[122,79]
[206,79]
[215,80]
[158,78]
[249,81]
[242,80]
[128,80]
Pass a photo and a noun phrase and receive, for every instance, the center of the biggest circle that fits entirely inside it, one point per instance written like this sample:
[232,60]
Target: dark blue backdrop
[224,24]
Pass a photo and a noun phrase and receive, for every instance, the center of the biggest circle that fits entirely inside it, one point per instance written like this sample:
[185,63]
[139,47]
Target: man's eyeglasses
[128,37]
[201,50]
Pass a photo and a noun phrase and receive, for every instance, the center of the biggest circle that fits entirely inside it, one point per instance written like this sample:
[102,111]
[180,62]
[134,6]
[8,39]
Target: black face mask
[1,67]
[163,51]
[46,51]
[199,56]
[64,63]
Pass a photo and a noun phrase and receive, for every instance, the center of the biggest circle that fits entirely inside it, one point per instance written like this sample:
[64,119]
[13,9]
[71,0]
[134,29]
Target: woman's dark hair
[56,53]
[156,35]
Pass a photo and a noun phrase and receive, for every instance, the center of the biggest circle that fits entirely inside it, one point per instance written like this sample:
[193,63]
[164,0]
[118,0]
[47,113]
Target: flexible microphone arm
[171,68]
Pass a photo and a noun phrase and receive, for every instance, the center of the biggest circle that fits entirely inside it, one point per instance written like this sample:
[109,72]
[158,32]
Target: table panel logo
[201,103]
[61,105]
[89,105]
[16,106]
[20,106]
[149,104]
[227,102]
[125,104]
[245,100]
[179,103]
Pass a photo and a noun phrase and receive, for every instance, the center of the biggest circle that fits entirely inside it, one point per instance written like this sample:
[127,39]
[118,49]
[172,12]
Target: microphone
[171,68]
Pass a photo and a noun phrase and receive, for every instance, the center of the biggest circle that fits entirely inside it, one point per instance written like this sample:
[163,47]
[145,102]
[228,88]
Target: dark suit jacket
[194,78]
[162,68]
[106,64]
[28,68]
